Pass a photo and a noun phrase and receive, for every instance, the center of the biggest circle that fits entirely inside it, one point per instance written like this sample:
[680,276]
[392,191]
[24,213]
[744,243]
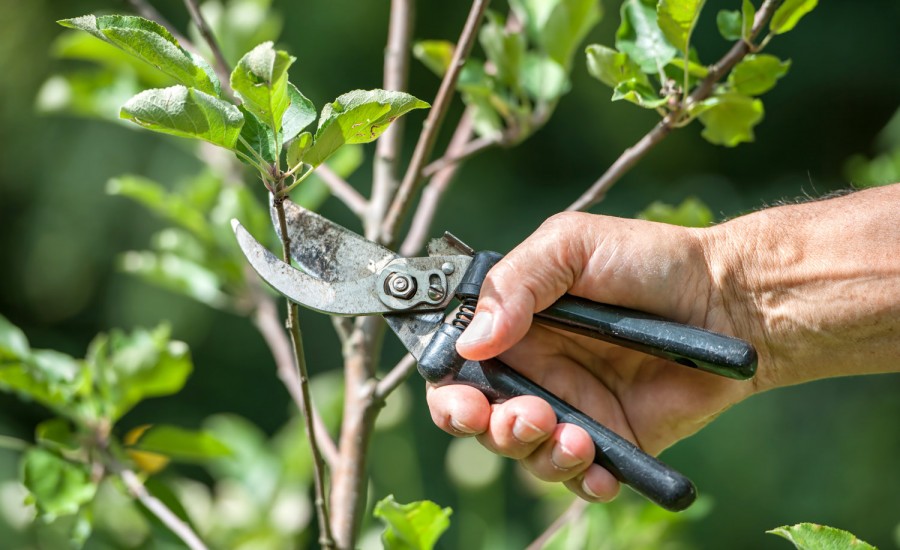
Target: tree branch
[432,124]
[343,191]
[221,64]
[395,377]
[387,150]
[633,154]
[162,512]
[461,153]
[572,513]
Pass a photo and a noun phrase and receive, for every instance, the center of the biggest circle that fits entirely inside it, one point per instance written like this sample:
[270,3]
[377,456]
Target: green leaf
[186,112]
[261,80]
[677,19]
[690,213]
[85,47]
[789,14]
[503,48]
[313,192]
[300,113]
[13,344]
[611,67]
[640,37]
[729,23]
[93,93]
[434,54]
[297,148]
[157,199]
[748,15]
[59,487]
[151,42]
[259,137]
[558,26]
[56,434]
[638,93]
[810,536]
[757,74]
[729,118]
[48,377]
[359,116]
[695,70]
[413,526]
[543,78]
[181,444]
[178,274]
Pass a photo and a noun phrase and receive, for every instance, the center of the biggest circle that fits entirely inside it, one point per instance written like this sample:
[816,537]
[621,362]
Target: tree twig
[162,512]
[633,154]
[343,191]
[395,377]
[147,11]
[387,150]
[572,513]
[432,124]
[460,154]
[221,64]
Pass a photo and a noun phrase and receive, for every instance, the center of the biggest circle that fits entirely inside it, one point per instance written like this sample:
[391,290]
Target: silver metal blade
[327,250]
[415,329]
[354,297]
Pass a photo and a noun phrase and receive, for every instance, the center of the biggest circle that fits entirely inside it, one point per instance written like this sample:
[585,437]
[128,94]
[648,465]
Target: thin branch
[434,191]
[343,190]
[462,153]
[13,443]
[221,64]
[432,124]
[389,146]
[572,513]
[325,538]
[162,512]
[633,154]
[147,11]
[395,377]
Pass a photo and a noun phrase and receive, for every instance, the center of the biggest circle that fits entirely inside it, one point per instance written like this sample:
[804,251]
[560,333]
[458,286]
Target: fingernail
[587,490]
[526,432]
[461,427]
[478,330]
[562,458]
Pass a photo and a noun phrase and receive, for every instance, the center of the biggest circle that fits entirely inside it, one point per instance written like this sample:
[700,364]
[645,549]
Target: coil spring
[465,313]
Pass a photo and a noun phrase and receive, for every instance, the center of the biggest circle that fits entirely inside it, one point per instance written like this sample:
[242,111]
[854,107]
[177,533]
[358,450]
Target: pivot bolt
[400,285]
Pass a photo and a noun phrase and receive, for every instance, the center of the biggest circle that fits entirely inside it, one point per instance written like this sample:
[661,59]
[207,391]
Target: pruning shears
[341,273]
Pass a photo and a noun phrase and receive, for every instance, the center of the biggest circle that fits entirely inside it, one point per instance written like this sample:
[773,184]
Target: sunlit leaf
[748,15]
[300,113]
[171,206]
[558,26]
[612,67]
[639,93]
[259,137]
[543,78]
[729,118]
[178,274]
[180,444]
[677,19]
[729,23]
[692,212]
[640,37]
[505,49]
[789,14]
[13,343]
[59,487]
[810,536]
[413,526]
[757,73]
[89,93]
[261,80]
[297,148]
[56,433]
[48,377]
[186,112]
[434,54]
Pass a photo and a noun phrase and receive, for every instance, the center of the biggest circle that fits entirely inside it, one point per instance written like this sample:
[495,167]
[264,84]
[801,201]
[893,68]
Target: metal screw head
[400,285]
[448,268]
[436,293]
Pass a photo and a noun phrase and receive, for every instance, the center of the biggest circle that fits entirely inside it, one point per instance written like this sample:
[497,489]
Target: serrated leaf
[692,212]
[300,113]
[757,74]
[261,80]
[13,343]
[639,93]
[640,37]
[259,137]
[152,43]
[611,67]
[789,14]
[186,112]
[729,23]
[297,148]
[56,433]
[729,118]
[558,26]
[359,116]
[677,19]
[503,48]
[811,536]
[748,15]
[543,78]
[434,54]
[413,526]
[59,487]
[181,444]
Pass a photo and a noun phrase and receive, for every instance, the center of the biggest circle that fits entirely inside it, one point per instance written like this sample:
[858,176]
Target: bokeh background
[825,452]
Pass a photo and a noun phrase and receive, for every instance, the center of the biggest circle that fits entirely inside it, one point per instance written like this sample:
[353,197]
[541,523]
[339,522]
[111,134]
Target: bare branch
[572,513]
[466,151]
[395,377]
[434,191]
[221,65]
[162,512]
[633,154]
[387,150]
[343,190]
[432,124]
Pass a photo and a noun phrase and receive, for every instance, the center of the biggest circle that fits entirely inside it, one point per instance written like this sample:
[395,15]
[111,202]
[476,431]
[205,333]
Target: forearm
[815,286]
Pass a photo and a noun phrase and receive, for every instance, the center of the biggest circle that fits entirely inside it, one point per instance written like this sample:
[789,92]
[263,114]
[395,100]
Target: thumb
[528,279]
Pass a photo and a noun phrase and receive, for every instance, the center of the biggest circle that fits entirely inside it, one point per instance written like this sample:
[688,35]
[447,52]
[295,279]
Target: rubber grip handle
[683,344]
[627,462]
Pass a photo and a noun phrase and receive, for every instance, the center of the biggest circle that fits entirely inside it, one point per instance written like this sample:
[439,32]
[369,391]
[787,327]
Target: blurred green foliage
[777,459]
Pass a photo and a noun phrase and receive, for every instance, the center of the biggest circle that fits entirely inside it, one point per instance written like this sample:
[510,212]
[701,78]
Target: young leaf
[413,526]
[13,344]
[180,444]
[434,54]
[558,26]
[297,147]
[359,116]
[638,93]
[543,78]
[53,379]
[259,137]
[177,274]
[677,19]
[261,80]
[59,487]
[748,15]
[640,37]
[157,199]
[611,67]
[186,112]
[756,74]
[729,118]
[300,113]
[55,434]
[503,48]
[729,23]
[810,536]
[151,42]
[789,14]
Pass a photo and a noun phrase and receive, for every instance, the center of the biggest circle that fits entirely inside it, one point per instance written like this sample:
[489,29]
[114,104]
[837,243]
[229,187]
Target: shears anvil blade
[353,297]
[327,250]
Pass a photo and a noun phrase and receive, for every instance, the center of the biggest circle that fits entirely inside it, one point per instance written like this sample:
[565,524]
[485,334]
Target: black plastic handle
[683,344]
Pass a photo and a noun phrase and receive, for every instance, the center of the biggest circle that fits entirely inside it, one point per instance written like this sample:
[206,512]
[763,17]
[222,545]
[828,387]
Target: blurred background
[825,452]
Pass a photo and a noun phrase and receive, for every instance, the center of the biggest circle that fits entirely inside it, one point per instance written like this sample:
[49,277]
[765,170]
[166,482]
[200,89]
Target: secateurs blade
[341,273]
